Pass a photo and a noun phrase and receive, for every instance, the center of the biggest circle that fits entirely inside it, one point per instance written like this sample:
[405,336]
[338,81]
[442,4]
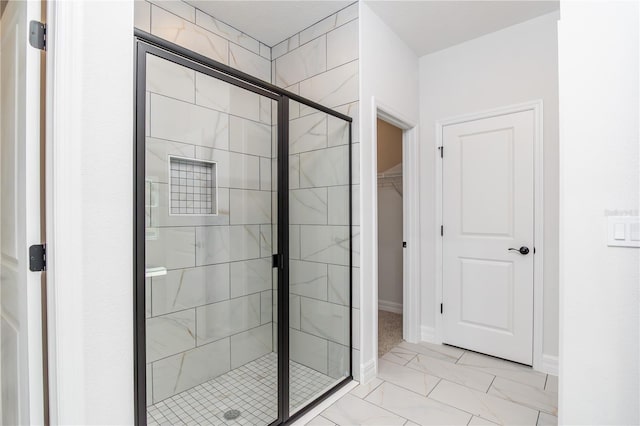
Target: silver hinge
[38,258]
[38,35]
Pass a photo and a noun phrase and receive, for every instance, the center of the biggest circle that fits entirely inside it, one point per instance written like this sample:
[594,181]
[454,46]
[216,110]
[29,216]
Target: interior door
[21,376]
[488,255]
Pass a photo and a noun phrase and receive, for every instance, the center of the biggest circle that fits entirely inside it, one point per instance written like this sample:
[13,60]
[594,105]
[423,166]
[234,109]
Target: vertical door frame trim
[538,236]
[411,226]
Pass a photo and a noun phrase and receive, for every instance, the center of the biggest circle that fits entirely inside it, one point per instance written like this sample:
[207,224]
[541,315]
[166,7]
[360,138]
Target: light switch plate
[623,231]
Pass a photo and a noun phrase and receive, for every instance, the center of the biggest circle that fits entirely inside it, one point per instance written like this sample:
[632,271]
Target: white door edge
[538,278]
[411,226]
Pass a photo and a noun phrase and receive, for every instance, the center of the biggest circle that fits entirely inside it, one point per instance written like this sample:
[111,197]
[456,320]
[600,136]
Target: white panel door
[488,211]
[21,388]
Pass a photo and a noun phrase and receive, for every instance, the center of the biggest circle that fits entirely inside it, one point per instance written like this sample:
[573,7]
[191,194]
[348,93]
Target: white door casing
[21,372]
[488,207]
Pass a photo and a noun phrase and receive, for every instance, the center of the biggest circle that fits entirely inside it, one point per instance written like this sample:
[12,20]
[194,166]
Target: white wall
[388,72]
[599,164]
[91,236]
[514,65]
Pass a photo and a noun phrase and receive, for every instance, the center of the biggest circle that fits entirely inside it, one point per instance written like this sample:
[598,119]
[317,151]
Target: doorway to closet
[390,236]
[218,233]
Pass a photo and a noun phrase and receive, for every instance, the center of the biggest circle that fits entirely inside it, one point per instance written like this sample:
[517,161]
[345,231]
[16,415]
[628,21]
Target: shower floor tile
[251,389]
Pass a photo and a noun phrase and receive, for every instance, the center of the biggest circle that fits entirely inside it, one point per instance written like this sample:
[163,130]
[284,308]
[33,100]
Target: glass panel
[210,288]
[319,279]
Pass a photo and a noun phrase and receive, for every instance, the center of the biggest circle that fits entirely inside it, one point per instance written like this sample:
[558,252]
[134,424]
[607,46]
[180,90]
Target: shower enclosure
[242,244]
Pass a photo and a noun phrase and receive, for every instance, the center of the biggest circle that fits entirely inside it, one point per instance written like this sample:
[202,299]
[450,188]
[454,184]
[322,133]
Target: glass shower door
[319,253]
[210,191]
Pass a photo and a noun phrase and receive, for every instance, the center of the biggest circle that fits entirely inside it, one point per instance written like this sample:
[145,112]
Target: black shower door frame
[146,43]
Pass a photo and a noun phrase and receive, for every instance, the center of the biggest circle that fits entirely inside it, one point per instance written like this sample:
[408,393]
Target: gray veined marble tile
[184,33]
[244,103]
[320,421]
[244,171]
[265,173]
[545,419]
[406,377]
[142,18]
[186,288]
[338,284]
[244,242]
[502,368]
[267,106]
[336,127]
[160,216]
[226,31]
[308,279]
[442,352]
[480,404]
[326,320]
[266,307]
[327,244]
[364,389]
[526,395]
[294,241]
[266,243]
[229,317]
[294,171]
[285,46]
[170,334]
[339,205]
[453,372]
[249,137]
[157,153]
[401,356]
[147,297]
[299,64]
[338,360]
[249,62]
[294,311]
[342,45]
[326,167]
[177,7]
[347,14]
[212,92]
[479,421]
[171,248]
[250,345]
[422,410]
[249,207]
[219,244]
[265,51]
[170,79]
[183,122]
[338,86]
[308,350]
[338,131]
[308,133]
[308,206]
[250,276]
[149,375]
[183,371]
[351,410]
[319,28]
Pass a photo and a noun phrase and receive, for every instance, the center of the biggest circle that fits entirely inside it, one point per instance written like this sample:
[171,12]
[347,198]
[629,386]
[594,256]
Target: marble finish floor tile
[479,421]
[361,391]
[508,370]
[552,383]
[406,377]
[545,419]
[489,407]
[399,355]
[320,421]
[453,372]
[422,410]
[526,395]
[443,352]
[351,410]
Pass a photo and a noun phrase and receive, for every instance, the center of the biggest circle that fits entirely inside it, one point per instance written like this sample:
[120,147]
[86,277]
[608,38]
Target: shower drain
[232,414]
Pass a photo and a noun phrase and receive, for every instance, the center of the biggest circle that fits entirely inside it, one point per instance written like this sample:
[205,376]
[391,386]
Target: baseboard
[427,334]
[387,306]
[368,371]
[550,364]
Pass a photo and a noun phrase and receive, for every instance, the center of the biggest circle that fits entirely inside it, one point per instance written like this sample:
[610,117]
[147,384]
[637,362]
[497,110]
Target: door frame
[538,234]
[410,224]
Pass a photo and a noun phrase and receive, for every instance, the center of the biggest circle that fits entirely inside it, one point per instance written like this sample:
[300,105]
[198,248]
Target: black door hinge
[404,244]
[441,309]
[38,258]
[441,148]
[442,230]
[38,35]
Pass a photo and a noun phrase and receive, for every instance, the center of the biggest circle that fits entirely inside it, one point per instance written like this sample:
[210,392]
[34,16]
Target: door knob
[522,250]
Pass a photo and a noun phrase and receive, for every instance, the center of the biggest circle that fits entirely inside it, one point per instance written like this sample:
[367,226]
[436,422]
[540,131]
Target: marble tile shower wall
[212,312]
[321,63]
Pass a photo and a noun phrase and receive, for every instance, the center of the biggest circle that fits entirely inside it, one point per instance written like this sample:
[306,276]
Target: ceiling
[429,26]
[270,21]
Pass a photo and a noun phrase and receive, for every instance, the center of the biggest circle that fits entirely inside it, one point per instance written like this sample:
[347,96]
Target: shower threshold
[251,390]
